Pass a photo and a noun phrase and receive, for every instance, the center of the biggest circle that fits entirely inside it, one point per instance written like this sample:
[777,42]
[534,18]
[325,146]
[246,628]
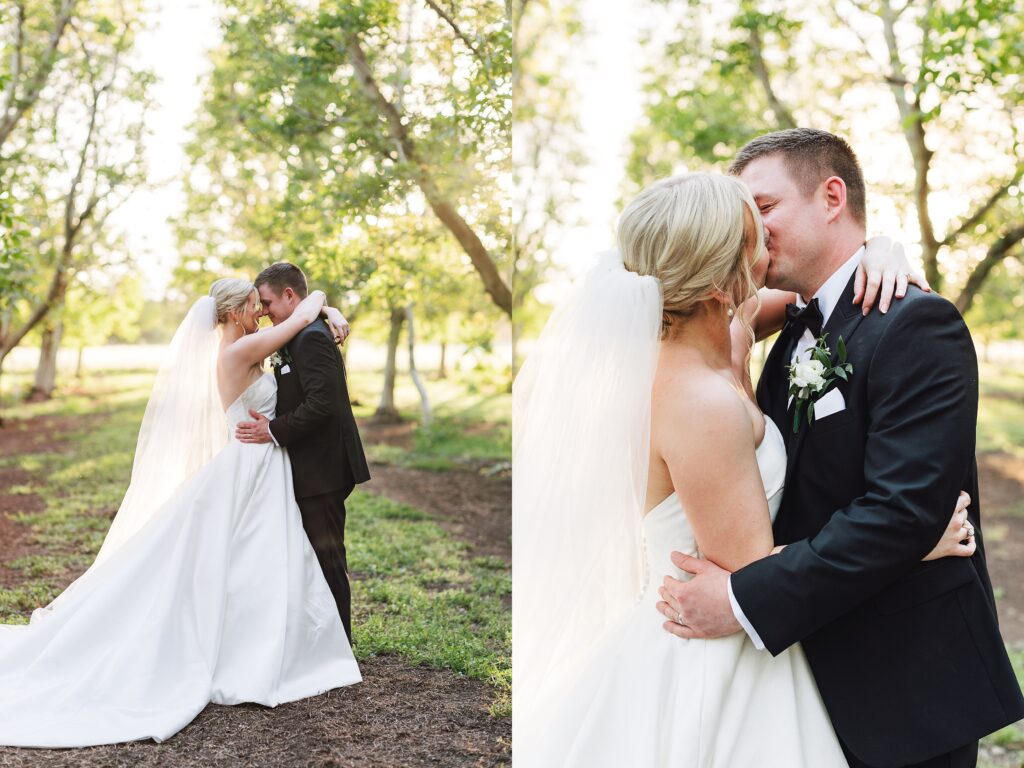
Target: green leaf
[840,373]
[841,346]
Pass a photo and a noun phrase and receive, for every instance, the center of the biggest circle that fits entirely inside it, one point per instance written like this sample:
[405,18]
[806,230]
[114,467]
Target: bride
[206,588]
[635,398]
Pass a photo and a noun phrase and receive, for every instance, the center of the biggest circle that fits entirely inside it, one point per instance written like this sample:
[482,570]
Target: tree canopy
[930,93]
[320,123]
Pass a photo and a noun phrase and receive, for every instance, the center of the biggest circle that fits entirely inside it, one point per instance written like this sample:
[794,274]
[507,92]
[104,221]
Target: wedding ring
[679,619]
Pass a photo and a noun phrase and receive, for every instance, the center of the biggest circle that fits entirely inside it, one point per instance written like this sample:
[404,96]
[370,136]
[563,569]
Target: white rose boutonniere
[810,378]
[275,360]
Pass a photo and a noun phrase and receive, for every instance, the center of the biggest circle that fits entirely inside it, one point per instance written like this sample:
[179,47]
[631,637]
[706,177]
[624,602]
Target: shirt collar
[832,289]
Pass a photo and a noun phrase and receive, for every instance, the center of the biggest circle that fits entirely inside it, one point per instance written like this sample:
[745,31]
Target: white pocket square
[831,402]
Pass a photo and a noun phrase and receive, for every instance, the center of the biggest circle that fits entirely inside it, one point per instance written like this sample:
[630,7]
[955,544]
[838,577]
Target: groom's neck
[836,253]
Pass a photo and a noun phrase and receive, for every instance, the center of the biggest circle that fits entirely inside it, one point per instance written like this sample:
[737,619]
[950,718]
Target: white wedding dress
[217,598]
[648,699]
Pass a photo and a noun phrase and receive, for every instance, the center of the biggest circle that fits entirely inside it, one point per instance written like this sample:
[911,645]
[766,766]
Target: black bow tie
[809,317]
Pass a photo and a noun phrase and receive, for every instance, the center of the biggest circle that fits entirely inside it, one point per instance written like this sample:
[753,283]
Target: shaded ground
[1002,496]
[472,506]
[401,715]
[44,433]
[13,535]
[385,722]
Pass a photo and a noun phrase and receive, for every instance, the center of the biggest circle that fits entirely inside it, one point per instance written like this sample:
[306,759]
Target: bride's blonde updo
[230,294]
[693,232]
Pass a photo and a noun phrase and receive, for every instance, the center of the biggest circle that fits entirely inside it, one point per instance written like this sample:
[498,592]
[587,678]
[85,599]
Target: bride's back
[699,235]
[238,310]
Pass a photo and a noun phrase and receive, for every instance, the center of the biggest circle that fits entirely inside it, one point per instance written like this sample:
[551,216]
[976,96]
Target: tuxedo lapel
[843,322]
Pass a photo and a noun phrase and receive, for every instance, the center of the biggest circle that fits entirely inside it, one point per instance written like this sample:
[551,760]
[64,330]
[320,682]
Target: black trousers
[323,517]
[964,757]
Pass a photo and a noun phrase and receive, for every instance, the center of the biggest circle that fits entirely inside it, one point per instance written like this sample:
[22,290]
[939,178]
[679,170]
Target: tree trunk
[386,411]
[913,121]
[54,298]
[428,416]
[442,369]
[78,364]
[46,371]
[516,334]
[445,210]
[1,391]
[996,254]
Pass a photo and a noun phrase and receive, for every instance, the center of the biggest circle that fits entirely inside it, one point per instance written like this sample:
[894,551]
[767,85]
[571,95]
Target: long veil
[580,455]
[183,427]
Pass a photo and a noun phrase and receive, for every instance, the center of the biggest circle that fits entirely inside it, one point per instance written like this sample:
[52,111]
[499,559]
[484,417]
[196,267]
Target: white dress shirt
[828,297]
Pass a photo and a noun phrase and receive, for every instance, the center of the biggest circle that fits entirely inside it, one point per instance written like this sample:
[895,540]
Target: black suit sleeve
[922,395]
[315,361]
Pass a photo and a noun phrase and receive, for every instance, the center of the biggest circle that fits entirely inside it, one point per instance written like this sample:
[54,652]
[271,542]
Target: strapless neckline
[772,436]
[245,391]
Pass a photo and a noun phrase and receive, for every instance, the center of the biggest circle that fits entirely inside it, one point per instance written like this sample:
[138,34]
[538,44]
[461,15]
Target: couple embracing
[706,575]
[222,577]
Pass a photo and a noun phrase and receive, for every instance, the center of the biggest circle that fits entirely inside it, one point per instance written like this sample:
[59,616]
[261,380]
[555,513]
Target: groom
[315,423]
[906,654]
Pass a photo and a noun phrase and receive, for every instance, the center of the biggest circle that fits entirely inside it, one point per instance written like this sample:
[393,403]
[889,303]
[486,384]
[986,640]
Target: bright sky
[608,82]
[175,47]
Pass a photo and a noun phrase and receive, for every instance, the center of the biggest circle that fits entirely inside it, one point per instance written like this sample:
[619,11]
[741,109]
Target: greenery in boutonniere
[810,378]
[280,357]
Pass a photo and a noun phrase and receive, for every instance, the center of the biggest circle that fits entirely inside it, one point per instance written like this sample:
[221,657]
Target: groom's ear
[835,196]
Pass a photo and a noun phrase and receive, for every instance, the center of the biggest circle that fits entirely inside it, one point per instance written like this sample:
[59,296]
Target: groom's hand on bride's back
[254,431]
[700,607]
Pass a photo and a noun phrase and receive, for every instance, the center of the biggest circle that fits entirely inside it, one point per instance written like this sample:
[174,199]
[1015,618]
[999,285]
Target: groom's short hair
[811,156]
[283,275]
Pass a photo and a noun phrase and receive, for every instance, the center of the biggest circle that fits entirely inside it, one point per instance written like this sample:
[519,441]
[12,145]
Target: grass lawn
[472,423]
[1001,410]
[417,593]
[1011,738]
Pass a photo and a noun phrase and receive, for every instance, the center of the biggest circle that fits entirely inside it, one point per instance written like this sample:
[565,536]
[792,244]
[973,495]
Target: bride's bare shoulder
[231,364]
[697,400]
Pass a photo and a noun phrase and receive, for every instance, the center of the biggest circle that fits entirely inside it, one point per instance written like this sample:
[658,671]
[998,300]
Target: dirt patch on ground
[396,433]
[40,434]
[398,716]
[1001,477]
[471,506]
[13,536]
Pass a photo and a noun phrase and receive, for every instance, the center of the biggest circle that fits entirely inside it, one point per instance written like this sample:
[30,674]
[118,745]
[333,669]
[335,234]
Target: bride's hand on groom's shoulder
[338,324]
[884,273]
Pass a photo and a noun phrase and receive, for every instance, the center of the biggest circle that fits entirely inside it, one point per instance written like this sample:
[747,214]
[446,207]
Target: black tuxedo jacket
[907,654]
[314,416]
